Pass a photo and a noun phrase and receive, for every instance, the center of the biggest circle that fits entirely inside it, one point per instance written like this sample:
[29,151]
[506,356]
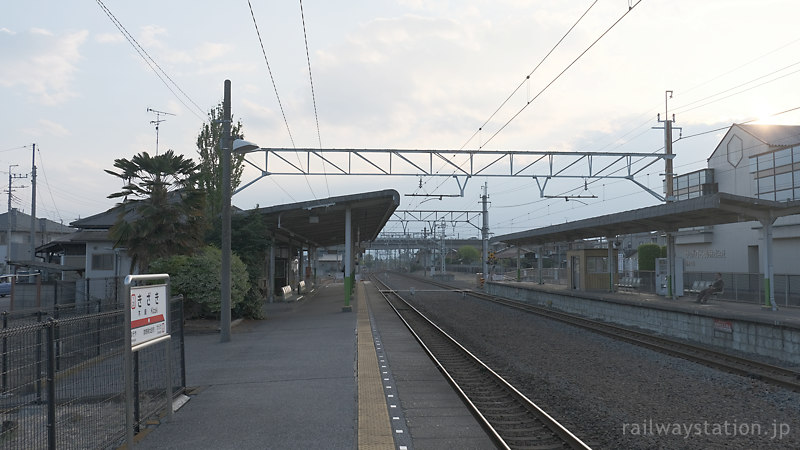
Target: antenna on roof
[158,121]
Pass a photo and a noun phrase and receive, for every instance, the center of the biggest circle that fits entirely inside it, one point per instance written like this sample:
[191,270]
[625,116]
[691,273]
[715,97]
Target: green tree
[210,152]
[648,254]
[468,254]
[251,243]
[198,278]
[161,213]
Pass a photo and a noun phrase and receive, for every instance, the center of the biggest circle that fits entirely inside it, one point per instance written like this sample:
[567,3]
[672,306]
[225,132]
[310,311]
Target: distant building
[15,237]
[89,253]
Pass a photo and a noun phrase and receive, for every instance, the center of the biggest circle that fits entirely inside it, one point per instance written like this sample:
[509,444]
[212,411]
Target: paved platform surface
[287,382]
[311,376]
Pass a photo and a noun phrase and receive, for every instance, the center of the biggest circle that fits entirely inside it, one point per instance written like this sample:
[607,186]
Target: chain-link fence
[62,382]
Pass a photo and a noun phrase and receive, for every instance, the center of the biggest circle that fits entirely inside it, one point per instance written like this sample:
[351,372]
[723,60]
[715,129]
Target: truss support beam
[458,164]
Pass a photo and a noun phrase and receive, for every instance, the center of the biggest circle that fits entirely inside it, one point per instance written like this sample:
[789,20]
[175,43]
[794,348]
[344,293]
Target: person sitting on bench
[716,286]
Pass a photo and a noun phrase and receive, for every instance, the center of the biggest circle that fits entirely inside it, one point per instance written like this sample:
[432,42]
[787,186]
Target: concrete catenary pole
[485,231]
[225,285]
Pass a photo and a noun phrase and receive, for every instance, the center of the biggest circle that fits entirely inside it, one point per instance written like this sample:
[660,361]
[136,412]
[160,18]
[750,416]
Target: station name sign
[149,313]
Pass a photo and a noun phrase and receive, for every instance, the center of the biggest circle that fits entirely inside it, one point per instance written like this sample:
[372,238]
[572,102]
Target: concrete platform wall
[776,340]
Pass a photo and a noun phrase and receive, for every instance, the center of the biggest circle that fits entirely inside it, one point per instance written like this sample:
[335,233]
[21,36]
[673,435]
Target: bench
[301,287]
[699,285]
[629,283]
[286,293]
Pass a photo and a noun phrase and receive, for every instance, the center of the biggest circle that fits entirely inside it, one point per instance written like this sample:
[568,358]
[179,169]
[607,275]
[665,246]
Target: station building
[756,161]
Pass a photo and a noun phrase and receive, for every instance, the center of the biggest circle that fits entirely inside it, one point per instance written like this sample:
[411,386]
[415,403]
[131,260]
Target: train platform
[723,323]
[312,376]
[716,306]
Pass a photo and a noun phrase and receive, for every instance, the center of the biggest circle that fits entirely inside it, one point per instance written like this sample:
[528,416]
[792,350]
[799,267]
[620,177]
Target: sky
[403,74]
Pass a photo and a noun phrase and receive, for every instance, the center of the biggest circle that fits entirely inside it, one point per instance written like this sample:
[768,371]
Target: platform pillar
[769,276]
[271,276]
[540,261]
[348,259]
[610,267]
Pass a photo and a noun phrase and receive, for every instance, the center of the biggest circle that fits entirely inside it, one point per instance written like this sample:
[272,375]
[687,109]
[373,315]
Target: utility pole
[485,231]
[11,178]
[33,204]
[225,144]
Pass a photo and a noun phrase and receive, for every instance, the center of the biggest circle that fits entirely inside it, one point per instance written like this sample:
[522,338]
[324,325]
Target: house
[15,237]
[89,253]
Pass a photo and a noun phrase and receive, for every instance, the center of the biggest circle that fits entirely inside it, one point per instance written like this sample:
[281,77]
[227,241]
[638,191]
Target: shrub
[648,254]
[198,279]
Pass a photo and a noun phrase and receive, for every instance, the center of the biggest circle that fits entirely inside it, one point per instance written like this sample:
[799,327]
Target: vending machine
[662,272]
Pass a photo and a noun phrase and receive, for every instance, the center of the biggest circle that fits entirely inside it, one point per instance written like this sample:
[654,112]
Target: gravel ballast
[613,394]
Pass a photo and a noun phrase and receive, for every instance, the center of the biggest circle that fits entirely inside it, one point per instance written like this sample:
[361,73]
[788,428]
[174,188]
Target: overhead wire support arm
[537,164]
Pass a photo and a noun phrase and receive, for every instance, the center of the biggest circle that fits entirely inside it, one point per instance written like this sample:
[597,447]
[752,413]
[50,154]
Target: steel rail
[769,373]
[509,423]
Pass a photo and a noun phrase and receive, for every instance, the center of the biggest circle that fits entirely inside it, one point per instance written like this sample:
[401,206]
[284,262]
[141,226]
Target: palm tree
[162,211]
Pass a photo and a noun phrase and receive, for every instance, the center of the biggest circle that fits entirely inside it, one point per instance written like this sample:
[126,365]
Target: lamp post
[227,148]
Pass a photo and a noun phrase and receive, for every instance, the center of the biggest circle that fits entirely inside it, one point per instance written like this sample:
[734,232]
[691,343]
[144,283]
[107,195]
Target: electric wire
[277,96]
[708,97]
[529,101]
[691,163]
[152,62]
[685,108]
[514,91]
[522,83]
[524,107]
[49,189]
[313,94]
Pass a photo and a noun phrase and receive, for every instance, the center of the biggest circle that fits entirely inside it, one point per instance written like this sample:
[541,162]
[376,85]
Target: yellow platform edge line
[374,427]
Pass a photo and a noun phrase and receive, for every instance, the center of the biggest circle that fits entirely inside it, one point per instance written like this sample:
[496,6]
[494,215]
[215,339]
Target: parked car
[5,289]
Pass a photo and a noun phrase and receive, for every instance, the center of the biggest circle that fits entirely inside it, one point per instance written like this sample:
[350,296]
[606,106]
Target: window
[596,264]
[783,181]
[766,184]
[784,195]
[765,162]
[783,157]
[103,261]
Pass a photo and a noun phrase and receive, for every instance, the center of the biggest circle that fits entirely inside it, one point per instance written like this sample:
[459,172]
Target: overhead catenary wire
[515,90]
[531,100]
[524,107]
[154,66]
[275,89]
[313,94]
[528,77]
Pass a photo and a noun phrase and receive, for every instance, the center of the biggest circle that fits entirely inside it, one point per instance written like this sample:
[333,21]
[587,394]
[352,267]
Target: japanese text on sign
[149,311]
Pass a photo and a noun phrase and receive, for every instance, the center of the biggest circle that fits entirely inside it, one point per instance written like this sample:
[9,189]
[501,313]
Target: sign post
[147,323]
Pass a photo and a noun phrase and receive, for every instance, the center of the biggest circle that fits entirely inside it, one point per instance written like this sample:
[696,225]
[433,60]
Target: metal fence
[741,287]
[62,380]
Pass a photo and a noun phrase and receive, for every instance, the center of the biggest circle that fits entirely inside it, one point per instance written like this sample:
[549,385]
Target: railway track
[510,418]
[780,376]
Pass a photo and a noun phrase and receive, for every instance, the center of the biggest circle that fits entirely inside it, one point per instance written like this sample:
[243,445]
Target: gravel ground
[616,395]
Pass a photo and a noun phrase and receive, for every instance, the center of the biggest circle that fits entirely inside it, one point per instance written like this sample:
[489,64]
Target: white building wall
[726,247]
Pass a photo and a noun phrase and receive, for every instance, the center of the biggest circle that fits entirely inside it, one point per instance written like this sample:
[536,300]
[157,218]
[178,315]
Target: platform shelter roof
[321,223]
[706,210]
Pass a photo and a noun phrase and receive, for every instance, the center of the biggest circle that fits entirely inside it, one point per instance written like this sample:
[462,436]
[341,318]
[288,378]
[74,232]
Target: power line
[528,77]
[275,88]
[515,90]
[630,8]
[313,95]
[47,183]
[152,62]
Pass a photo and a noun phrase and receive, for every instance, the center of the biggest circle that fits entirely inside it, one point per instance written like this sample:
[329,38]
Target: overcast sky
[388,74]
